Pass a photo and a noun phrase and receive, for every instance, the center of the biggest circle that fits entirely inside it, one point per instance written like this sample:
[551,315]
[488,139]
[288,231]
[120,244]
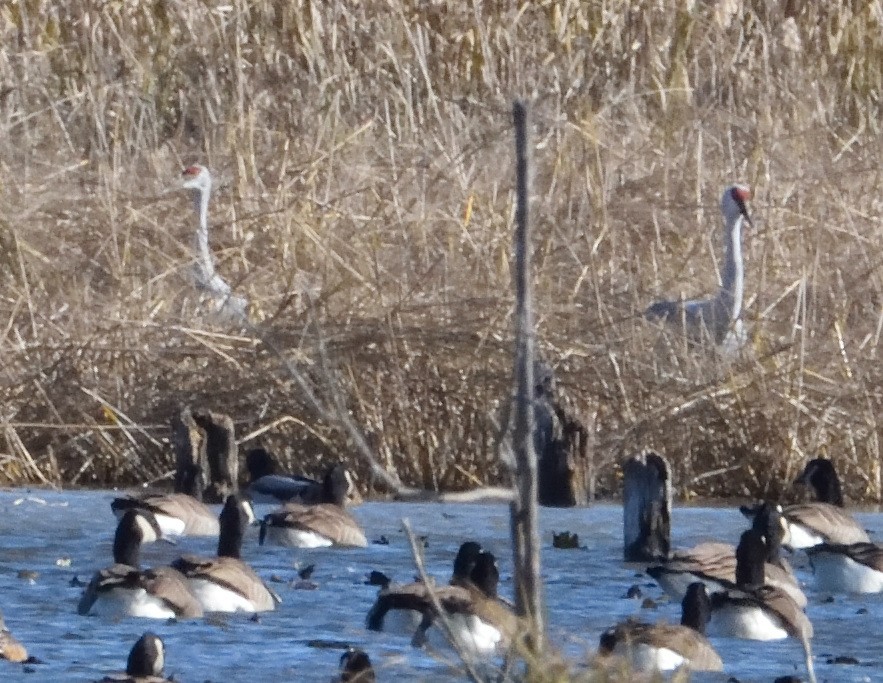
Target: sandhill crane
[198,179]
[719,316]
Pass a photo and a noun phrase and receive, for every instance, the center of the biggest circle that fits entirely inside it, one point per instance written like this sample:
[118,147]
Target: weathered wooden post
[222,454]
[646,507]
[206,454]
[188,442]
[561,442]
[524,510]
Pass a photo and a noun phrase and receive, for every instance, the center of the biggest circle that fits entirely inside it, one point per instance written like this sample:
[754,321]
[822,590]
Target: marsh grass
[365,201]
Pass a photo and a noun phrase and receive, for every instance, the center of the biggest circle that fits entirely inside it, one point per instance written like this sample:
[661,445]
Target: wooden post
[222,454]
[524,510]
[189,444]
[646,507]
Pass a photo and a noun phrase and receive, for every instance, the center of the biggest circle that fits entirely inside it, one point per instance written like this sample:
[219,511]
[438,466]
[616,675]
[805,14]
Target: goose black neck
[750,555]
[696,607]
[485,574]
[824,482]
[465,561]
[127,540]
[768,522]
[233,522]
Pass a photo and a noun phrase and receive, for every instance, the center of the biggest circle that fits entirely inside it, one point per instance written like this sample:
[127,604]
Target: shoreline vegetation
[364,203]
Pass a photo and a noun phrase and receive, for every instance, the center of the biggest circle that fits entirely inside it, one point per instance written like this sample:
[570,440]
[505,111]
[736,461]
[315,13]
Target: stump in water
[205,444]
[188,442]
[646,507]
[561,442]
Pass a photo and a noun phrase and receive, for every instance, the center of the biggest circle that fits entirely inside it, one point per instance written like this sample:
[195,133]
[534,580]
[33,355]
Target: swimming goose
[714,564]
[266,485]
[752,609]
[663,647]
[225,583]
[396,610]
[316,526]
[123,589]
[178,514]
[355,667]
[850,568]
[756,611]
[821,521]
[145,664]
[480,621]
[10,649]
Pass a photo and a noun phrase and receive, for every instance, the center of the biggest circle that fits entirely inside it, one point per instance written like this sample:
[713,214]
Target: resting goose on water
[395,611]
[664,647]
[847,568]
[225,583]
[480,621]
[178,514]
[821,521]
[145,664]
[321,525]
[714,564]
[752,610]
[266,485]
[124,589]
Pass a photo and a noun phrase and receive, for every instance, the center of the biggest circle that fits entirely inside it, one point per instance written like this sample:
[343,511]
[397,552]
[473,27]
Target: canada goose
[851,568]
[479,620]
[125,589]
[225,583]
[145,664]
[10,649]
[821,521]
[178,514]
[756,611]
[266,485]
[663,647]
[750,608]
[714,564]
[396,610]
[316,526]
[355,667]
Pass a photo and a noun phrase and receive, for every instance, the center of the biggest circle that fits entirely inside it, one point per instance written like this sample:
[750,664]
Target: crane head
[733,202]
[196,177]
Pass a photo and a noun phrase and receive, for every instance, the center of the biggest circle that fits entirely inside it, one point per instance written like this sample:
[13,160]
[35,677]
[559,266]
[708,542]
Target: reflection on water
[65,535]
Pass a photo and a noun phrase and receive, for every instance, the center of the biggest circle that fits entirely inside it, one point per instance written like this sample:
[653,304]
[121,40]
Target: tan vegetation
[364,154]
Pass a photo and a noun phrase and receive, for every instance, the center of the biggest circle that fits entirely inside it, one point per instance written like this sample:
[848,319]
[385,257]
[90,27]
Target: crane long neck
[733,285]
[204,257]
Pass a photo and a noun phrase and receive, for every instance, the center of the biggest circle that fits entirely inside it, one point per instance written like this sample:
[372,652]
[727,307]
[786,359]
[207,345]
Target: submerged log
[646,507]
[205,451]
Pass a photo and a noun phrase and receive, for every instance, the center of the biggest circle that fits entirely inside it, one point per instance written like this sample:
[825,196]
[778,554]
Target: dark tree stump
[562,445]
[646,507]
[189,444]
[222,454]
[206,454]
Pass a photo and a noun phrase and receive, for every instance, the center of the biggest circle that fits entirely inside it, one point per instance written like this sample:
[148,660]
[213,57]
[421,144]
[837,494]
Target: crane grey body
[717,318]
[198,179]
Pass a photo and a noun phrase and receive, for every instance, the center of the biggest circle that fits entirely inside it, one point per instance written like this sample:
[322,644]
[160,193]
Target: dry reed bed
[364,155]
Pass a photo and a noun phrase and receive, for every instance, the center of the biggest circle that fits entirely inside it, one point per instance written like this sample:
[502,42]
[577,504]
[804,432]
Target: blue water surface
[63,535]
